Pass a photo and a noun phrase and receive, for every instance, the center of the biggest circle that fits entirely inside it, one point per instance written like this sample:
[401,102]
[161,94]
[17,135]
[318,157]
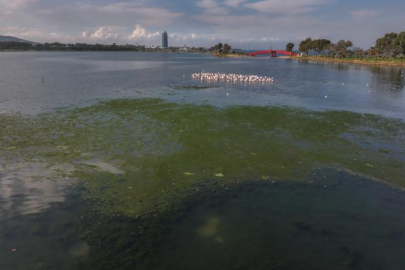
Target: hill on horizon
[14,39]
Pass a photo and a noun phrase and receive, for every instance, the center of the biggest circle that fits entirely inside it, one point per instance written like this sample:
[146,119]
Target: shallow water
[122,160]
[76,79]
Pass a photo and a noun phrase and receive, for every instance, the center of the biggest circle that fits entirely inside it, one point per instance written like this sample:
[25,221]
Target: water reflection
[210,229]
[101,166]
[29,188]
[392,76]
[341,66]
[46,239]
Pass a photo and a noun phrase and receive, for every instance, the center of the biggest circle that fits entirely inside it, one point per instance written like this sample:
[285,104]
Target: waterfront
[358,61]
[119,160]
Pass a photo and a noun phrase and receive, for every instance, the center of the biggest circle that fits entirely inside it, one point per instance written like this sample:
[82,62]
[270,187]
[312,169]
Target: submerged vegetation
[142,164]
[138,157]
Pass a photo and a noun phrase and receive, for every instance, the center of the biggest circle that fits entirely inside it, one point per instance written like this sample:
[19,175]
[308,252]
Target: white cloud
[36,35]
[191,36]
[232,21]
[208,4]
[21,32]
[45,12]
[103,33]
[212,7]
[187,37]
[286,6]
[362,14]
[15,4]
[260,23]
[256,40]
[135,11]
[6,12]
[234,3]
[141,33]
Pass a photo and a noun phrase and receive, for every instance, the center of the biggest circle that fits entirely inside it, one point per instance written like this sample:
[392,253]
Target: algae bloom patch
[144,156]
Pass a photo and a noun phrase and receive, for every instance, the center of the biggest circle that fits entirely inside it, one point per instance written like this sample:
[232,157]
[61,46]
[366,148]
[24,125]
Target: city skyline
[246,24]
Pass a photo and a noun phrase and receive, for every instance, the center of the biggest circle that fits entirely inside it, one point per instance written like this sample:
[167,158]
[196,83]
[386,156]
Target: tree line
[219,48]
[390,45]
[325,47]
[13,45]
[56,46]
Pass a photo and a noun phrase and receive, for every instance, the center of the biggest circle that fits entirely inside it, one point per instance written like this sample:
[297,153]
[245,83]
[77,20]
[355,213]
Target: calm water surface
[73,79]
[123,161]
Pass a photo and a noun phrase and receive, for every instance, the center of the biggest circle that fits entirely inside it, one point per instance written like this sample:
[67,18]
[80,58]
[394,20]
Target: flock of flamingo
[235,78]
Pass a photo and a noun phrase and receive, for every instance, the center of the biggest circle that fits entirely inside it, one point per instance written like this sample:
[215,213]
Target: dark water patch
[336,221]
[46,240]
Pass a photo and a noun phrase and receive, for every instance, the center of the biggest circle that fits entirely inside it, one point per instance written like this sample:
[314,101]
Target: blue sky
[246,24]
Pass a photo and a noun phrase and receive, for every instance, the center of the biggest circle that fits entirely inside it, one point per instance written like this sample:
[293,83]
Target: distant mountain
[14,39]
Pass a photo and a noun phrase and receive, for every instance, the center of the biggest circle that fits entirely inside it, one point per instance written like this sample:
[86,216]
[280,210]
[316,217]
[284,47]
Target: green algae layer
[143,156]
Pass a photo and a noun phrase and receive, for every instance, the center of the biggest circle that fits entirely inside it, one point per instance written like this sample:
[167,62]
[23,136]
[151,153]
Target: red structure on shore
[273,53]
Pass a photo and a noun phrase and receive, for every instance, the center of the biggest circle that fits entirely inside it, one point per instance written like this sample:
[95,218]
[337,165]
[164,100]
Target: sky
[244,24]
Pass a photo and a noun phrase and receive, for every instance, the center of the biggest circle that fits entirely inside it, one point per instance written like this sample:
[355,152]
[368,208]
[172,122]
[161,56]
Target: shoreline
[351,61]
[230,55]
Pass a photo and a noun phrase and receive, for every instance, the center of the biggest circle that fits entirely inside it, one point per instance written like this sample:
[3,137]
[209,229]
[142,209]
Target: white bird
[231,77]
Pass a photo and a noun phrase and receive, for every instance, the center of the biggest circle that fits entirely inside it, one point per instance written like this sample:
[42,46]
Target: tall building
[165,40]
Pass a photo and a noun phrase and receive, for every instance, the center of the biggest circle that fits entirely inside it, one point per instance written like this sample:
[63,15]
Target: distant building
[165,40]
